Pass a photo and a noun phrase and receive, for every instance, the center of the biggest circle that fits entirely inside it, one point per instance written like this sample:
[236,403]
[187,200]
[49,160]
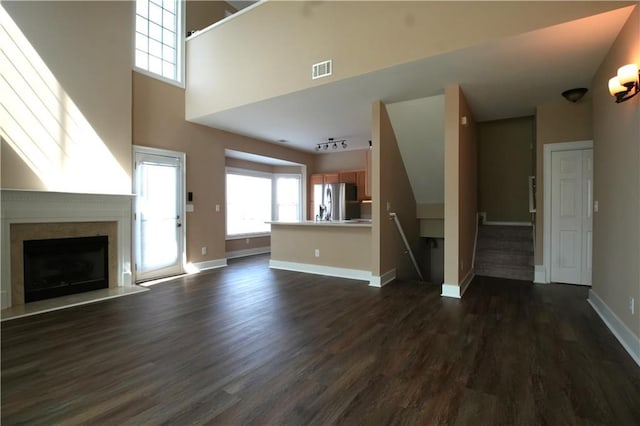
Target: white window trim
[274,205]
[180,50]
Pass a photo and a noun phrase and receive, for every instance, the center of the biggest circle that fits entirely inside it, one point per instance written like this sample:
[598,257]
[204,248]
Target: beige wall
[248,165]
[616,226]
[559,121]
[340,161]
[391,193]
[201,13]
[158,121]
[247,243]
[78,57]
[460,182]
[309,32]
[505,162]
[340,247]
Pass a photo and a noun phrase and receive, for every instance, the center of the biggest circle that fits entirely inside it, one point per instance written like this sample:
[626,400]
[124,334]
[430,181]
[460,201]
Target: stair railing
[393,216]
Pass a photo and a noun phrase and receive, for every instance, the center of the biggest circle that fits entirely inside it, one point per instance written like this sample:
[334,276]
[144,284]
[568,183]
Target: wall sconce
[624,86]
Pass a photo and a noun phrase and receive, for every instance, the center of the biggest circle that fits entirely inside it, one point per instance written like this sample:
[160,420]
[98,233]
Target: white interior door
[571,216]
[159,213]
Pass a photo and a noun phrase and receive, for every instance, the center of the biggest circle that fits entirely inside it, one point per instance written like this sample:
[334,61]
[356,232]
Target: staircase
[505,252]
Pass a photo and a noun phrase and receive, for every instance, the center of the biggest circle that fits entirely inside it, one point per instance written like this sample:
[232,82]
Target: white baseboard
[247,252]
[383,279]
[210,264]
[456,291]
[450,290]
[332,271]
[625,336]
[540,275]
[507,223]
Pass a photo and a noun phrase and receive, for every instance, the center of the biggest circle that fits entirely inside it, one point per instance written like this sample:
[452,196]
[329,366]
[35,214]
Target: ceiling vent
[321,69]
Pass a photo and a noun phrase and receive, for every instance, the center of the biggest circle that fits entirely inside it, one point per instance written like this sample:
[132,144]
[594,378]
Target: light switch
[595,206]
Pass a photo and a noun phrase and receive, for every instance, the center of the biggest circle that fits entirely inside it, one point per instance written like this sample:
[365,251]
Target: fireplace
[41,215]
[61,266]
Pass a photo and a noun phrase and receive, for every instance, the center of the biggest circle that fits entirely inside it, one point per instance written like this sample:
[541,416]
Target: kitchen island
[334,248]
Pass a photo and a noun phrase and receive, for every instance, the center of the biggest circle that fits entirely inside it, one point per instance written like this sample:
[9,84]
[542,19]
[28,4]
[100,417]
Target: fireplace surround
[28,215]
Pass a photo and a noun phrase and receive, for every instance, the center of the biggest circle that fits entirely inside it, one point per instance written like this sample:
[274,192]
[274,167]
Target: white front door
[571,216]
[159,213]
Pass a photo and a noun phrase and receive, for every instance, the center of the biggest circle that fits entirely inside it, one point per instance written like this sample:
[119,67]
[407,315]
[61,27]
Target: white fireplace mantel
[17,206]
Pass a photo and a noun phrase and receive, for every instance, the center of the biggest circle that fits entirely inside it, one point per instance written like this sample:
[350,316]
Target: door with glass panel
[159,226]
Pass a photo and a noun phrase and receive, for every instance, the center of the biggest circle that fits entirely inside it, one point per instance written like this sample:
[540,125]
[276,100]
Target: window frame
[274,194]
[273,178]
[244,172]
[180,48]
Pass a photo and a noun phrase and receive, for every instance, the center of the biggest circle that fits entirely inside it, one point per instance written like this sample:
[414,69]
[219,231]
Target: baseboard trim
[450,290]
[210,264]
[332,271]
[247,252]
[383,279]
[629,341]
[466,281]
[507,223]
[457,291]
[540,275]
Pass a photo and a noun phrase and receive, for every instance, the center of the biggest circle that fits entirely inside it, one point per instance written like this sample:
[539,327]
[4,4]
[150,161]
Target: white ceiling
[502,79]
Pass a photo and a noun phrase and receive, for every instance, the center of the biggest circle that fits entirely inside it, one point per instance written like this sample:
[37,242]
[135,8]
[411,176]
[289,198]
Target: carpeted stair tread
[505,252]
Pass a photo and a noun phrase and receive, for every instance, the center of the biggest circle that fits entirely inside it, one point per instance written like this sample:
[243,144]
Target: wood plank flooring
[250,345]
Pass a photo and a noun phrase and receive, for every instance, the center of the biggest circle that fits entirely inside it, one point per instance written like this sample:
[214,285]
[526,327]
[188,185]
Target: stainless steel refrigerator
[335,201]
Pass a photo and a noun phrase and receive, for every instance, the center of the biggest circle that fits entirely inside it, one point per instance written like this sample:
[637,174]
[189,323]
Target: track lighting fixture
[331,142]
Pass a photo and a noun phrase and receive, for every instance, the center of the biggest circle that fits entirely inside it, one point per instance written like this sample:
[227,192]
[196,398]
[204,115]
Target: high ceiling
[501,79]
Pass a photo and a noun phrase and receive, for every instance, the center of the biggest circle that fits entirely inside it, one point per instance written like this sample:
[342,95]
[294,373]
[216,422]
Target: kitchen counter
[357,223]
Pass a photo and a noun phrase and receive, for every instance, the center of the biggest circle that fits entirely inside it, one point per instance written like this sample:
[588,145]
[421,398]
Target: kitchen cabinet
[361,181]
[361,178]
[349,177]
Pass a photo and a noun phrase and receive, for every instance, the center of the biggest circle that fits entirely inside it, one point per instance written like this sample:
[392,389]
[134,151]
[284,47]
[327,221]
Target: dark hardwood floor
[250,345]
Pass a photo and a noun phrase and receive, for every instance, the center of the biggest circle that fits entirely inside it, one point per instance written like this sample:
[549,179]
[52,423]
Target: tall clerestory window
[160,39]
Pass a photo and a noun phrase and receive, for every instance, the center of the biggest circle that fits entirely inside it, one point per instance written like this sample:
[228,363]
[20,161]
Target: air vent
[321,69]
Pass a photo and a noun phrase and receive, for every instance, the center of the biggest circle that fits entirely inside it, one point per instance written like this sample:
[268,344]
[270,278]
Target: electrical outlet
[317,253]
[204,250]
[595,206]
[217,208]
[632,306]
[388,206]
[247,241]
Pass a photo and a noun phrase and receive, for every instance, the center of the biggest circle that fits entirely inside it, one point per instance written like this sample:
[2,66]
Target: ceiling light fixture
[574,95]
[331,143]
[624,85]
